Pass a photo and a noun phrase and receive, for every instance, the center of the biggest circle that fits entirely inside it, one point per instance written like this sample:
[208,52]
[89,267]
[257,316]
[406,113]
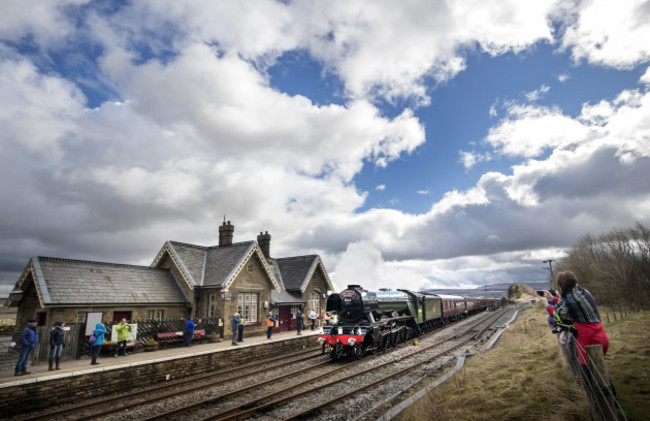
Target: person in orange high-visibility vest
[270,322]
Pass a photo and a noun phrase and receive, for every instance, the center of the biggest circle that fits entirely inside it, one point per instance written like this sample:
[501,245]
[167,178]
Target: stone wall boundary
[40,393]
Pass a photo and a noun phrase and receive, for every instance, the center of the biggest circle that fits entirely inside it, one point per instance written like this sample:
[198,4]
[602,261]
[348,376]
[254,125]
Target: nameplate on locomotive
[348,294]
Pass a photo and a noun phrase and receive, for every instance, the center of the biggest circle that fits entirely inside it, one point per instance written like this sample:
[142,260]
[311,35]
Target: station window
[149,314]
[247,305]
[81,317]
[212,304]
[160,314]
[314,302]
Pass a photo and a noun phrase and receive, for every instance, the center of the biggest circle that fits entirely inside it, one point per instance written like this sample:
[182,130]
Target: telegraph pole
[550,268]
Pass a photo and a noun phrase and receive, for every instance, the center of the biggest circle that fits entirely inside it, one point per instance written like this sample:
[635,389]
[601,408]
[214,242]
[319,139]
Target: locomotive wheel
[359,351]
[383,342]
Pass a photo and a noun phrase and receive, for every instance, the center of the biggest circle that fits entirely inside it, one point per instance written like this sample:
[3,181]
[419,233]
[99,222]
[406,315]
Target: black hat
[32,321]
[59,323]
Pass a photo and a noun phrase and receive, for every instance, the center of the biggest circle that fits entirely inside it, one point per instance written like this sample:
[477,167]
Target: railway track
[297,387]
[123,403]
[293,396]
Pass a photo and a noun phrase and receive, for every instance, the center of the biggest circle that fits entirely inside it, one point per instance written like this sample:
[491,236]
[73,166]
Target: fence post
[602,382]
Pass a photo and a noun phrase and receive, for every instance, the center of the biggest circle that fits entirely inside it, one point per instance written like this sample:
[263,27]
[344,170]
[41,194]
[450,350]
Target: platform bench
[199,335]
[167,338]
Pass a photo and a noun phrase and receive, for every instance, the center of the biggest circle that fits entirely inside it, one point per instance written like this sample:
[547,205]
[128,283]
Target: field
[525,377]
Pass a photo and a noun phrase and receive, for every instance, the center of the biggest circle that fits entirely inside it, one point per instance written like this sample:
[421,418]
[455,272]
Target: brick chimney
[264,240]
[226,232]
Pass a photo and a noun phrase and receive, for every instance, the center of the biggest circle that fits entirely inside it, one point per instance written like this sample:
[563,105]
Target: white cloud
[528,131]
[646,77]
[537,93]
[197,131]
[380,187]
[609,33]
[563,77]
[469,159]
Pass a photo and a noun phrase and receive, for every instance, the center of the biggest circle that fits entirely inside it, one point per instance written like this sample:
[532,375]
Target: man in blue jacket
[28,342]
[189,332]
[234,326]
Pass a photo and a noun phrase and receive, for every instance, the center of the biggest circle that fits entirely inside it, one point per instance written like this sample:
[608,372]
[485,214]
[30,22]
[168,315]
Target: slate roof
[295,270]
[284,297]
[193,257]
[222,261]
[77,282]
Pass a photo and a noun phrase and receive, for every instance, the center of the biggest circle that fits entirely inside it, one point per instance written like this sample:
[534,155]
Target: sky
[418,144]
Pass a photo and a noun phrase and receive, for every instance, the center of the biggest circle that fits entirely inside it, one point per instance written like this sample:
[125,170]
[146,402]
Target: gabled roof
[298,271]
[79,282]
[216,266]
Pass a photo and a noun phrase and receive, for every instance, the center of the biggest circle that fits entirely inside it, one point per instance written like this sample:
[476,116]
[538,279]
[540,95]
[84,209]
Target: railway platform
[71,368]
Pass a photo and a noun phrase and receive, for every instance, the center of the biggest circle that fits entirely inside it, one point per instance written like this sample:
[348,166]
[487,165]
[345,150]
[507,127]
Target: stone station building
[184,280]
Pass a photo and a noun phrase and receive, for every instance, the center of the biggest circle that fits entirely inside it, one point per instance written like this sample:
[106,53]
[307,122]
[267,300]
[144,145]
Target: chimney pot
[264,241]
[226,233]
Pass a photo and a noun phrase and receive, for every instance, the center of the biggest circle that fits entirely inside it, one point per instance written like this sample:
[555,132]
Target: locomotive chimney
[264,240]
[226,232]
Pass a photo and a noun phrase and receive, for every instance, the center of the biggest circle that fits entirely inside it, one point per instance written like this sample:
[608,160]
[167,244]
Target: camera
[552,291]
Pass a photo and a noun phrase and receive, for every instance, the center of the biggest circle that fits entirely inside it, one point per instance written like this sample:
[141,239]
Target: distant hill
[492,290]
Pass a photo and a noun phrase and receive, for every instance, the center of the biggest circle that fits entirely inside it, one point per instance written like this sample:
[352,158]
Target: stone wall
[108,381]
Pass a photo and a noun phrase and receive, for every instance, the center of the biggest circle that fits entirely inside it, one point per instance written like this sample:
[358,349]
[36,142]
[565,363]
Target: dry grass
[628,363]
[523,378]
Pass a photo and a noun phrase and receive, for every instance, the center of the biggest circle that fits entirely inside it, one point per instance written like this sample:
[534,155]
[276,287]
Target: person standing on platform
[189,332]
[299,319]
[100,331]
[57,336]
[28,342]
[326,317]
[240,332]
[312,317]
[234,326]
[270,322]
[123,331]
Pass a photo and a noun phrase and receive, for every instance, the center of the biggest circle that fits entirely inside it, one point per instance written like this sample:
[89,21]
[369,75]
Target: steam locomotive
[376,320]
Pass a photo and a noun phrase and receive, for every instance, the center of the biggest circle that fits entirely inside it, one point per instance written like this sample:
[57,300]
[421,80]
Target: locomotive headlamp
[352,341]
[321,340]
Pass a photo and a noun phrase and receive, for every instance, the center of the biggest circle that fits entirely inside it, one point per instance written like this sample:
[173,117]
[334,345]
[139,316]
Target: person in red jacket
[577,305]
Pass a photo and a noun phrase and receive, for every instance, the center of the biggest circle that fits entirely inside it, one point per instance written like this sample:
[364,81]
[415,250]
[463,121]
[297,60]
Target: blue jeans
[55,351]
[21,365]
[96,349]
[188,338]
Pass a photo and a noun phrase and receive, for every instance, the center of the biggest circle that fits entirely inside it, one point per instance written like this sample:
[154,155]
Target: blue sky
[428,145]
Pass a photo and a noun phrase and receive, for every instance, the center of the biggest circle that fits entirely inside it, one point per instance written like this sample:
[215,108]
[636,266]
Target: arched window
[314,302]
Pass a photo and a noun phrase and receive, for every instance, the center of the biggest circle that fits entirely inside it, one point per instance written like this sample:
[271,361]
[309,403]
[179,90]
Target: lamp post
[550,268]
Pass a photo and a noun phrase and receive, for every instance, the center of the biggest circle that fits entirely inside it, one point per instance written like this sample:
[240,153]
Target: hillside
[492,290]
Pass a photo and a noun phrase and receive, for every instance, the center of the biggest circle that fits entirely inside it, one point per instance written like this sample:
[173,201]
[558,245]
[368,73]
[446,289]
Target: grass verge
[525,377]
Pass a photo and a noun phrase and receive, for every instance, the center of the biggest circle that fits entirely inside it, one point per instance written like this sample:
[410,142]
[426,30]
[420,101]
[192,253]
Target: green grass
[525,378]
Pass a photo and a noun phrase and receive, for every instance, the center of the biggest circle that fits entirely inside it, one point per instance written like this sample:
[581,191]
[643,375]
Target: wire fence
[593,377]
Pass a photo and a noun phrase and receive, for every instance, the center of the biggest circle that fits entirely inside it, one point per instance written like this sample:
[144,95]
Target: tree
[615,266]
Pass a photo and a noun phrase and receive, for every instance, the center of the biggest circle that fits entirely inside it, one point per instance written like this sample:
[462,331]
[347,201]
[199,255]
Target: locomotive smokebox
[353,304]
